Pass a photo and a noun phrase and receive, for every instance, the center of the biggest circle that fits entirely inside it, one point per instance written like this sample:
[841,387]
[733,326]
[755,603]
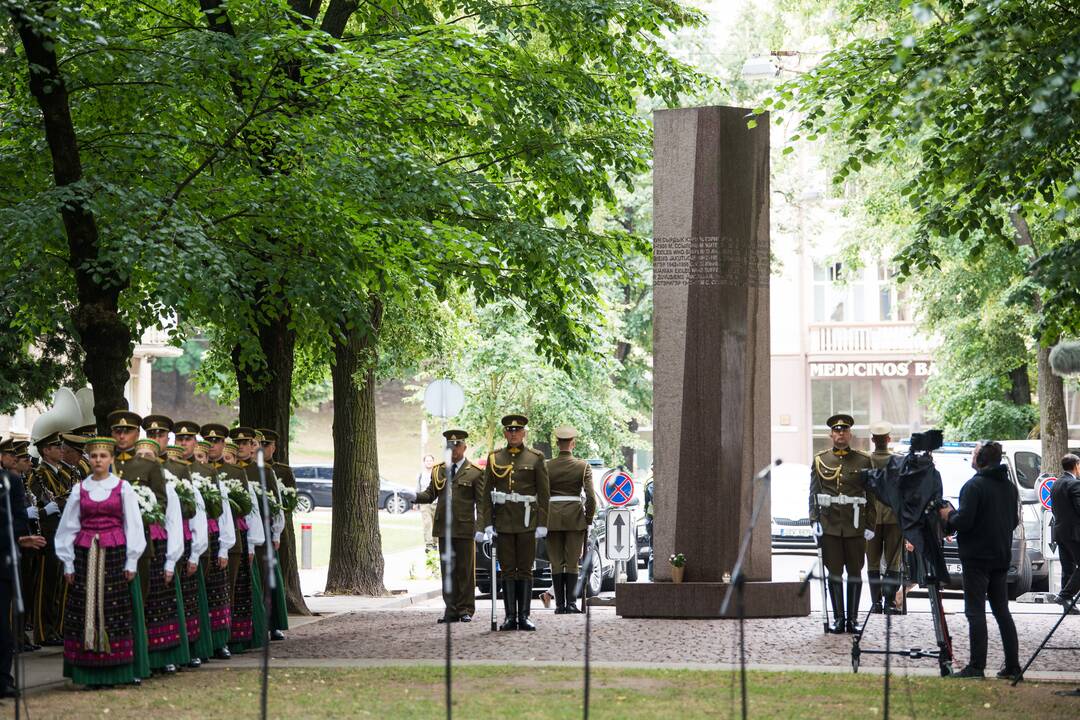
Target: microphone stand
[448,568]
[13,545]
[738,580]
[271,579]
[583,587]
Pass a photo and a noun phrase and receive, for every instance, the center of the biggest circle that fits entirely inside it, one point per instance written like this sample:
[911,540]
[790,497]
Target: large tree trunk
[356,560]
[103,334]
[1053,425]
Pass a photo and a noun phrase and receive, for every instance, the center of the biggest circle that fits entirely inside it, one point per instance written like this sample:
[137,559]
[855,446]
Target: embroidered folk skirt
[189,591]
[241,595]
[101,651]
[164,613]
[217,594]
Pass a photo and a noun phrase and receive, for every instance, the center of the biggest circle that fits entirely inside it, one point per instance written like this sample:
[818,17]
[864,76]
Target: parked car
[314,488]
[790,496]
[541,568]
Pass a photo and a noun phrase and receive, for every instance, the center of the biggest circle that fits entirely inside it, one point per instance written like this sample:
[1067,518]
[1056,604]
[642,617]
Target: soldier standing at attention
[568,518]
[887,540]
[842,517]
[285,478]
[49,483]
[515,509]
[467,483]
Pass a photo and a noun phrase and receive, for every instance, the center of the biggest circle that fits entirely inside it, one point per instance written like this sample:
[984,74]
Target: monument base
[703,600]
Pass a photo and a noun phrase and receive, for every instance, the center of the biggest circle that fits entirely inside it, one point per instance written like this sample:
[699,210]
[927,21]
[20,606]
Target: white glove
[32,513]
[868,534]
[816,529]
[541,532]
[480,537]
[489,532]
[52,509]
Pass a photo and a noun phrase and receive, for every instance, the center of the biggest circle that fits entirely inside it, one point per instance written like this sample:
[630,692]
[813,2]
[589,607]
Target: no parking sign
[1045,487]
[618,488]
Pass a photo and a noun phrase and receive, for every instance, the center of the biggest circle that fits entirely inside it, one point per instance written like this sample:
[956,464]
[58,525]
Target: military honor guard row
[151,555]
[517,498]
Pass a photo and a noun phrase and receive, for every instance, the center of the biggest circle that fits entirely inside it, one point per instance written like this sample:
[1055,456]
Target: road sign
[1045,487]
[619,540]
[444,398]
[618,487]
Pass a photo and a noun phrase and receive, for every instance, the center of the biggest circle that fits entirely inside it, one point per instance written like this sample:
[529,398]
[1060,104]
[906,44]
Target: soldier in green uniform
[467,483]
[157,428]
[842,517]
[49,483]
[514,508]
[87,431]
[887,541]
[285,478]
[568,517]
[74,458]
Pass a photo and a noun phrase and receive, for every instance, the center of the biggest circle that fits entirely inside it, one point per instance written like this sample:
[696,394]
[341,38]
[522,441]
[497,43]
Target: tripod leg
[941,630]
[1046,639]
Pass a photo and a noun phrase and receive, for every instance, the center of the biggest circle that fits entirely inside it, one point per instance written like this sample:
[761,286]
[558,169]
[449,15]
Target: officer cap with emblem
[20,447]
[50,439]
[100,443]
[157,422]
[514,422]
[840,421]
[87,431]
[242,433]
[152,444]
[565,432]
[214,431]
[7,446]
[269,436]
[125,419]
[73,440]
[454,437]
[184,428]
[880,429]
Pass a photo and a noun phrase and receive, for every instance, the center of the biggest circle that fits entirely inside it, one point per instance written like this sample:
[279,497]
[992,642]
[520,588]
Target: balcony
[155,343]
[867,338]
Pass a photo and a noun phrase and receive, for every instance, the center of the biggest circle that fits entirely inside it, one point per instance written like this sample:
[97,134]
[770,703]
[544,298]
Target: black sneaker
[969,673]
[1008,673]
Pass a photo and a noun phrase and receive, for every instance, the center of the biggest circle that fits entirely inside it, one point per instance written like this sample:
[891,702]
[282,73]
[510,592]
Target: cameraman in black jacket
[984,524]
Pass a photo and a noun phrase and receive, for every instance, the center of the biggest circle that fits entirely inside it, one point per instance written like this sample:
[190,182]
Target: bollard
[305,546]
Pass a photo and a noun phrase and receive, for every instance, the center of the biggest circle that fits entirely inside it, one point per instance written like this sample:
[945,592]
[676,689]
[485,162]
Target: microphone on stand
[1065,358]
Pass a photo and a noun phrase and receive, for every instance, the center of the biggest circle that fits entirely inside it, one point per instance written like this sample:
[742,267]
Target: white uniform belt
[501,498]
[826,500]
[565,498]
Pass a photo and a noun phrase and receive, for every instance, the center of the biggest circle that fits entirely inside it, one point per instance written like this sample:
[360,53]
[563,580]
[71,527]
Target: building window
[895,406]
[836,302]
[829,397]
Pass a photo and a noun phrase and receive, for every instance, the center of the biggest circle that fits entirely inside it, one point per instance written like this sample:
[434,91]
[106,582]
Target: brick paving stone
[414,634]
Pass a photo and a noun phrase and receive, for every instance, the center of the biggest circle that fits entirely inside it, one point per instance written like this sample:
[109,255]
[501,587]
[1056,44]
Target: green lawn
[520,692]
[399,532]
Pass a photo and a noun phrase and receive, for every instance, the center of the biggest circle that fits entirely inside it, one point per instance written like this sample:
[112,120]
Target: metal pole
[448,566]
[271,564]
[19,607]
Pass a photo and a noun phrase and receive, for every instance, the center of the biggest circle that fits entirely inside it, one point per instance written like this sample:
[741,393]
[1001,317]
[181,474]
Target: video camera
[928,441]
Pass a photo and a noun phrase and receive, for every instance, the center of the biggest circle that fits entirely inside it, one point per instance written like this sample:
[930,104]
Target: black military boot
[524,603]
[509,605]
[854,590]
[558,582]
[875,592]
[571,593]
[836,599]
[891,587]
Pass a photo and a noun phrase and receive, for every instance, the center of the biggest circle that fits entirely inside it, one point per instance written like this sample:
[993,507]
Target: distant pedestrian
[989,512]
[1065,500]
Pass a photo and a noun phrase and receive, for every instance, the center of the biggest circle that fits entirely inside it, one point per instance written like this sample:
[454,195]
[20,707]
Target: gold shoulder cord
[501,471]
[827,473]
[435,477]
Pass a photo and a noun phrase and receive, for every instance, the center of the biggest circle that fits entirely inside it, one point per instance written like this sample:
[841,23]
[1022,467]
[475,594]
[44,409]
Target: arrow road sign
[619,539]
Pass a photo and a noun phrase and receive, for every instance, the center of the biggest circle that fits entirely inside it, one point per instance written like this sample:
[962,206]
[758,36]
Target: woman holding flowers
[99,542]
[248,615]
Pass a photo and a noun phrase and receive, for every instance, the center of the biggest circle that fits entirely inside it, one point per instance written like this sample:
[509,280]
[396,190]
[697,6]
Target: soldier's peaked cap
[74,440]
[242,433]
[455,436]
[840,421]
[515,421]
[51,439]
[881,428]
[157,422]
[214,431]
[565,432]
[185,427]
[125,419]
[8,445]
[87,431]
[269,435]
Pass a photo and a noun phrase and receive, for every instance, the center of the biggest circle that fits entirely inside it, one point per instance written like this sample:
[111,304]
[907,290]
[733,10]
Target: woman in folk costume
[99,542]
[165,624]
[248,629]
[196,541]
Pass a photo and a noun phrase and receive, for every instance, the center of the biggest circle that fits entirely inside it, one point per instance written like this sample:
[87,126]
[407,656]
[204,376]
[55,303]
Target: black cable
[271,579]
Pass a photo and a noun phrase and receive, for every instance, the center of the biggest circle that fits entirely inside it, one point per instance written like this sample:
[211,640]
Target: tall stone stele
[710,365]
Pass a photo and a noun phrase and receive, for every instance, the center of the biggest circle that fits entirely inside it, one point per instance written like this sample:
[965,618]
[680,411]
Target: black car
[541,568]
[315,483]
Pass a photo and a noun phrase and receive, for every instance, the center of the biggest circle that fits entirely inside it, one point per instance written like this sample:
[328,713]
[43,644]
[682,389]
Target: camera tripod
[943,654]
